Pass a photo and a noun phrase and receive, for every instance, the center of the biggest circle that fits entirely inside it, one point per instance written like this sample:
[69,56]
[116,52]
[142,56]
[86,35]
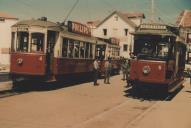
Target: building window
[126,31]
[125,47]
[104,32]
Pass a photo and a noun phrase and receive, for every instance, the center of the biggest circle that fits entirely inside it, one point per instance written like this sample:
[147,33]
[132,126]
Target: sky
[89,10]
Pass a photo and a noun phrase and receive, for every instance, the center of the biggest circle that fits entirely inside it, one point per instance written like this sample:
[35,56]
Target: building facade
[184,23]
[118,25]
[6,21]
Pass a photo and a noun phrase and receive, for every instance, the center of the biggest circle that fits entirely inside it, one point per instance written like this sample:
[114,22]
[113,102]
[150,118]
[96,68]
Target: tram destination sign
[79,28]
[153,26]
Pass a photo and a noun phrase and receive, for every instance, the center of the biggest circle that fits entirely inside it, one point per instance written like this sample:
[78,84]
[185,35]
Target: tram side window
[71,49]
[37,42]
[100,52]
[76,49]
[22,42]
[87,50]
[182,55]
[118,52]
[109,53]
[82,49]
[64,47]
[91,51]
[13,41]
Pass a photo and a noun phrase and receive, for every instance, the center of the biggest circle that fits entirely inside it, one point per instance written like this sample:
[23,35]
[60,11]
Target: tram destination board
[78,28]
[153,26]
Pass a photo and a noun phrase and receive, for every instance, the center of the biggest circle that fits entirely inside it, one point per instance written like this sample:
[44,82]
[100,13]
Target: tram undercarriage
[160,87]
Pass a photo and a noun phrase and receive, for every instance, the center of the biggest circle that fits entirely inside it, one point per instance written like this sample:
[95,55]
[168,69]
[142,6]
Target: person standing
[189,74]
[128,72]
[95,71]
[108,68]
[124,68]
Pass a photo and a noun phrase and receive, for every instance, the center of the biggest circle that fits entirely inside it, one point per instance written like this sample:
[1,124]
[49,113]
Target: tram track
[149,109]
[106,114]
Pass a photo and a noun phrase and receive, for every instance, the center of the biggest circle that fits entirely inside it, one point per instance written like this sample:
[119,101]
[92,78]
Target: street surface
[83,105]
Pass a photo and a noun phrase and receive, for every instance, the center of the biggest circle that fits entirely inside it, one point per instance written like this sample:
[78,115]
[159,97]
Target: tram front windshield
[152,49]
[24,44]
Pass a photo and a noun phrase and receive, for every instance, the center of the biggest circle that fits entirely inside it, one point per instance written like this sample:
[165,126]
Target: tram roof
[155,29]
[153,32]
[38,23]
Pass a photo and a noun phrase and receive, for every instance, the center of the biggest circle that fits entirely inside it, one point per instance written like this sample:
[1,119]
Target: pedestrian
[123,68]
[95,71]
[107,67]
[128,72]
[189,74]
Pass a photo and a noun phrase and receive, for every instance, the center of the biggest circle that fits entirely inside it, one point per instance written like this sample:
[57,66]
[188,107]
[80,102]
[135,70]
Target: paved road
[78,106]
[173,114]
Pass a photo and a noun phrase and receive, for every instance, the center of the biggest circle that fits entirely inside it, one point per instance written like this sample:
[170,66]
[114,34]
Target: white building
[184,23]
[118,25]
[6,21]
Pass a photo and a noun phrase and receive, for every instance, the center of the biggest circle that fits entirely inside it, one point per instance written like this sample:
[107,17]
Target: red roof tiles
[184,19]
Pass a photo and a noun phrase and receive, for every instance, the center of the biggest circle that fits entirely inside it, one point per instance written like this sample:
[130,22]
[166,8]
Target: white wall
[5,39]
[116,29]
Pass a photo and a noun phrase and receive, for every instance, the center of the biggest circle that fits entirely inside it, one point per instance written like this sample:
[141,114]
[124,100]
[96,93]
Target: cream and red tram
[108,49]
[48,51]
[160,58]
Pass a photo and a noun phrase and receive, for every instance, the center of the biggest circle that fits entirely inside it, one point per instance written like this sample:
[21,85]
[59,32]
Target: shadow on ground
[30,86]
[150,95]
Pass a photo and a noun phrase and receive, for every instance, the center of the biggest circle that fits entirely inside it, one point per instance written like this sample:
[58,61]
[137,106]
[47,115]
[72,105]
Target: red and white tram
[160,58]
[48,51]
[108,49]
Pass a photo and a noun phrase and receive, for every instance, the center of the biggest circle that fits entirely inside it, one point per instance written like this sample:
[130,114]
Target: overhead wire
[89,10]
[163,13]
[68,14]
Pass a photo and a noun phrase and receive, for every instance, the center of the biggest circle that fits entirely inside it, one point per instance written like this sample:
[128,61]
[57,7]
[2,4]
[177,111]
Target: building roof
[125,16]
[184,19]
[93,23]
[39,23]
[7,16]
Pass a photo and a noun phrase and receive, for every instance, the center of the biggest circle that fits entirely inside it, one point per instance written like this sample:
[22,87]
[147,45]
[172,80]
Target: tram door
[51,39]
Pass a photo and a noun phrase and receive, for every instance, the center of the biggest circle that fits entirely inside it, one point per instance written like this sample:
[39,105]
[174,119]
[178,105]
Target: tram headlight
[146,70]
[19,61]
